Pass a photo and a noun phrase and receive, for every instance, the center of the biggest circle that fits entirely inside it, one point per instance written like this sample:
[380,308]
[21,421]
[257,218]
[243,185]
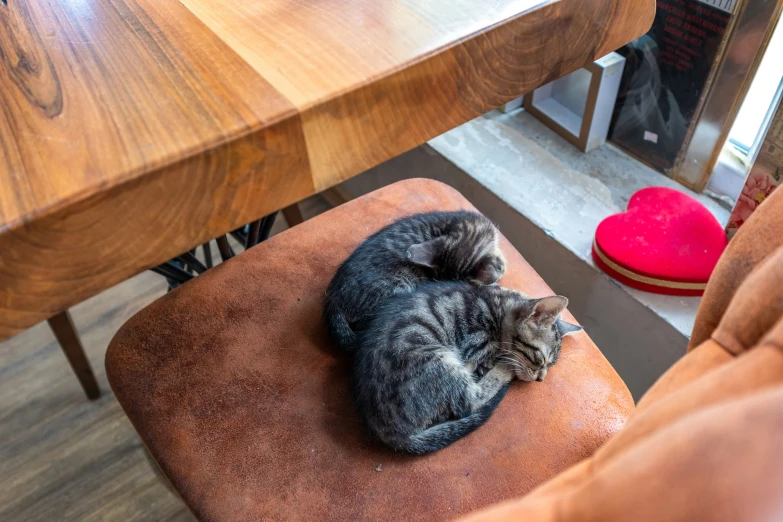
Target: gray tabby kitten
[415,377]
[434,246]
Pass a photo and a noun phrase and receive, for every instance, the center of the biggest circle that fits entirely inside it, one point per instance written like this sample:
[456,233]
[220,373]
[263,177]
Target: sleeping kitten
[413,374]
[438,245]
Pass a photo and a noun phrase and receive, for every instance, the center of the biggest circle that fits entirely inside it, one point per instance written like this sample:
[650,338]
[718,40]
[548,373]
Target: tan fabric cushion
[240,397]
[762,293]
[759,237]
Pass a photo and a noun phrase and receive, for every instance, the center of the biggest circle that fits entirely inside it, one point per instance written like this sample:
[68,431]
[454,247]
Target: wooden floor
[63,457]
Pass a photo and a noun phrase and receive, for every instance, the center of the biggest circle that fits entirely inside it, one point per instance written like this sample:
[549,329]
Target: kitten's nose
[541,375]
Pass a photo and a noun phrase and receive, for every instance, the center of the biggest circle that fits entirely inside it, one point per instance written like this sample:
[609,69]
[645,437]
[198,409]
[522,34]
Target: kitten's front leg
[483,367]
[499,376]
[479,366]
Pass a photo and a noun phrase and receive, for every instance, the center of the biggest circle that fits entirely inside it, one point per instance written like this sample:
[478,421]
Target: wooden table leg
[62,326]
[293,215]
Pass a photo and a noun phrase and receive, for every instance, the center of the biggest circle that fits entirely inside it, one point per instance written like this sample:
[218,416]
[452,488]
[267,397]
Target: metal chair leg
[224,248]
[266,227]
[192,263]
[171,271]
[207,254]
[177,271]
[240,235]
[252,236]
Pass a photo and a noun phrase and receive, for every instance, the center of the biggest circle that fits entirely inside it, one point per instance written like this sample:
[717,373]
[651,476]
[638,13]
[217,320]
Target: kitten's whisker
[515,364]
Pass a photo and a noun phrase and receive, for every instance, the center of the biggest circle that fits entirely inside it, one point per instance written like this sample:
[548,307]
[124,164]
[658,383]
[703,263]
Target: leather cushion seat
[236,390]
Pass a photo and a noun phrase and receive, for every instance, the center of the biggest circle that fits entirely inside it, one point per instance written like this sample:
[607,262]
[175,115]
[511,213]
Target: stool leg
[207,254]
[293,215]
[62,326]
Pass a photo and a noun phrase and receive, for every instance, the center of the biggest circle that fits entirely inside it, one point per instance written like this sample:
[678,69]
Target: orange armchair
[706,441]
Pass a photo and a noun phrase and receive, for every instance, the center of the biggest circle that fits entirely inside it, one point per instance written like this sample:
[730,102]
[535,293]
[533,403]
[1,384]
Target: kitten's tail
[341,331]
[441,435]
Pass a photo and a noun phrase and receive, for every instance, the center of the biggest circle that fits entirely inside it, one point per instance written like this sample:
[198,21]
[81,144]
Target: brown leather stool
[237,392]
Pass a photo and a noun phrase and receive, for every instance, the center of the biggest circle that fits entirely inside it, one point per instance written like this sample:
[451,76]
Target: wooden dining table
[133,130]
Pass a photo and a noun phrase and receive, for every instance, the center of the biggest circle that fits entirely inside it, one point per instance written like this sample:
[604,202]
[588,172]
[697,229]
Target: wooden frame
[589,130]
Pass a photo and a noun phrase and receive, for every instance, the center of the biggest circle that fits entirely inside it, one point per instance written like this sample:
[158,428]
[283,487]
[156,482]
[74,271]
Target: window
[761,99]
[751,123]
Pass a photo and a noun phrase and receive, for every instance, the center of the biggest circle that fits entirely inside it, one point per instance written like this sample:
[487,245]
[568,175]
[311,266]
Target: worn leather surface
[235,389]
[705,442]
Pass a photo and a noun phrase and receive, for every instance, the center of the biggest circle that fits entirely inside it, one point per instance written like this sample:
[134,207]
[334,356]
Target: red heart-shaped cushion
[666,242]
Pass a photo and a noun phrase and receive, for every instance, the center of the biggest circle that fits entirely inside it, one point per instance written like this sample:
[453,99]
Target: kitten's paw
[483,369]
[506,370]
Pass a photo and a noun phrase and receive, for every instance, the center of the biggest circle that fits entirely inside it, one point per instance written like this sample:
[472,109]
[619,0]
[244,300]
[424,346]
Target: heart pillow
[666,243]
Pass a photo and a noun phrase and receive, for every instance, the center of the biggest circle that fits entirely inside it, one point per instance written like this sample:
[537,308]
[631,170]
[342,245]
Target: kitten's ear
[567,328]
[547,310]
[425,254]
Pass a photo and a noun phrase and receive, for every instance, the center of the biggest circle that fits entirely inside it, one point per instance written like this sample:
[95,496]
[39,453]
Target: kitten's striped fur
[433,246]
[414,375]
